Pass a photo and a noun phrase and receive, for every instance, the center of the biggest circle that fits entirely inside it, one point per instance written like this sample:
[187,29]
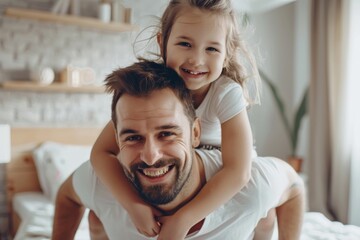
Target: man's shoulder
[82,175]
[89,187]
[211,160]
[262,168]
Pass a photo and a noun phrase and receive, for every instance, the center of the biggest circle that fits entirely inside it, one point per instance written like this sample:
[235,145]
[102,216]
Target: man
[157,133]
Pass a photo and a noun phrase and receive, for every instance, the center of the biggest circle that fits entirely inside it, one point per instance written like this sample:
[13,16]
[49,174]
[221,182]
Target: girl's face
[196,48]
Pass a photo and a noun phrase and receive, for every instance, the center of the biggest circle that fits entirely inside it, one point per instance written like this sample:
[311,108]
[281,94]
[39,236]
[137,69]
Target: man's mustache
[159,164]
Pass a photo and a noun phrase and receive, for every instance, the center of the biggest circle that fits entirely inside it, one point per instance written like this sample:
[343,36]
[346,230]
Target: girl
[199,39]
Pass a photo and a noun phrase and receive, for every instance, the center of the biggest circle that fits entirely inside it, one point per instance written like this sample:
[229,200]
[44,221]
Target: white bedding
[317,227]
[36,211]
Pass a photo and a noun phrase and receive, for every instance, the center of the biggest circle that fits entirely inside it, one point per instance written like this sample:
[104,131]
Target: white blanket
[39,227]
[317,227]
[36,212]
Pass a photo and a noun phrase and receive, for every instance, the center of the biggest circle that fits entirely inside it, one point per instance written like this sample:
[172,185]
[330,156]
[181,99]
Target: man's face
[155,141]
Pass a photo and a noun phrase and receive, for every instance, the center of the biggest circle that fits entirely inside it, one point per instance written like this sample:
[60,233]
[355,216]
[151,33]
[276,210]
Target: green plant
[292,130]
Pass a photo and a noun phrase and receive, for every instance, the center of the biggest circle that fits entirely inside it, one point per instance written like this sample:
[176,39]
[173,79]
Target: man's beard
[160,194]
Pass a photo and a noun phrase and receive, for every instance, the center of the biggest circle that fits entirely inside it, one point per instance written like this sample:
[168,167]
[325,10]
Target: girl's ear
[159,41]
[196,133]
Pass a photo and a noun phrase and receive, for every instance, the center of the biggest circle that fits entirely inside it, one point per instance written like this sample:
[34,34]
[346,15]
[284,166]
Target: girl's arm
[236,148]
[108,169]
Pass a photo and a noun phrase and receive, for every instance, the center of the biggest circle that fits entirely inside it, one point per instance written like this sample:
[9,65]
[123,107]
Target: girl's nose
[196,58]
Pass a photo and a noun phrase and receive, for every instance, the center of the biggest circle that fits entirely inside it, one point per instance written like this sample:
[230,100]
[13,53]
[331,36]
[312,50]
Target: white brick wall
[19,108]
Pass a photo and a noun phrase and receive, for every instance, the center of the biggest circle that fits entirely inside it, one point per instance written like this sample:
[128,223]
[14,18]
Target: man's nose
[151,151]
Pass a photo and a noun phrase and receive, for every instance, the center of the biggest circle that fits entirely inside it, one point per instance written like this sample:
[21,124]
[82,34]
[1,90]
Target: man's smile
[156,172]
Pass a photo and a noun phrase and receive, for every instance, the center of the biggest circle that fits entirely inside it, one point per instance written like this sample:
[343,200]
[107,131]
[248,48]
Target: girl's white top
[224,100]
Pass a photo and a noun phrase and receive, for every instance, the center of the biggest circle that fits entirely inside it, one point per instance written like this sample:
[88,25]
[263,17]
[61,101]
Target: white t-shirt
[234,220]
[223,101]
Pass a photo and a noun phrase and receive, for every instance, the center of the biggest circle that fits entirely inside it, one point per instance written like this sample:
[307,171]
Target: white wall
[281,36]
[274,36]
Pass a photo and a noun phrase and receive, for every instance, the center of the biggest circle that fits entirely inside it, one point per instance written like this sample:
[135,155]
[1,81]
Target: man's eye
[133,138]
[184,44]
[166,134]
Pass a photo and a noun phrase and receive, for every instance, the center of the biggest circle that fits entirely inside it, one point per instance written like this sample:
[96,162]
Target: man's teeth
[155,173]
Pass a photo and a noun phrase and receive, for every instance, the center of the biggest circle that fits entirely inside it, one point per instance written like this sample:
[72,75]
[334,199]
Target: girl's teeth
[191,72]
[155,173]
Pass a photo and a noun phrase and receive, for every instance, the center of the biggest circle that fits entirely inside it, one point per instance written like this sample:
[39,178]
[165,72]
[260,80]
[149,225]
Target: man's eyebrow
[168,127]
[163,127]
[127,131]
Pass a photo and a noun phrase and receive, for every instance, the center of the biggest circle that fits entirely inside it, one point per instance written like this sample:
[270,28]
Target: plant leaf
[300,113]
[279,103]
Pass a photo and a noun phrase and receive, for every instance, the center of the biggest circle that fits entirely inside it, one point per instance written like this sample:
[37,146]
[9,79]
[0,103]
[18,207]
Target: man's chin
[158,194]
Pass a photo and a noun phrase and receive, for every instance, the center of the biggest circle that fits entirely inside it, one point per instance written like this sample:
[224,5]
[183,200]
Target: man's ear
[160,42]
[196,133]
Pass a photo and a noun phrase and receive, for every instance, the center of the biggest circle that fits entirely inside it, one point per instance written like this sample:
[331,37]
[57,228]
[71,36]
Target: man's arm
[68,212]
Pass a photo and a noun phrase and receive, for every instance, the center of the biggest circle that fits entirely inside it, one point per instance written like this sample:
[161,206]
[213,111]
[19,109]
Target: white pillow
[55,162]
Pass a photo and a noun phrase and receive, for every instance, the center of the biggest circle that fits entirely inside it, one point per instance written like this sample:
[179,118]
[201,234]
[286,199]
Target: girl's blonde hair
[240,64]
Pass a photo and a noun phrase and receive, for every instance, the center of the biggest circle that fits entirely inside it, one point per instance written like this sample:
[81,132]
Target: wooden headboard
[21,175]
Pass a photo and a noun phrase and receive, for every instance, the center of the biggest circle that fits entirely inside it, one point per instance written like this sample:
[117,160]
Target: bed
[31,192]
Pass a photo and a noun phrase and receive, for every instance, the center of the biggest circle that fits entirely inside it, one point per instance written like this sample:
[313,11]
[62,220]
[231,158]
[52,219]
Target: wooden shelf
[85,22]
[54,87]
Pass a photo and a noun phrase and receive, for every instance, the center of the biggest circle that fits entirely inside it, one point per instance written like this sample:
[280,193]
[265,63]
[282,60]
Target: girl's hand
[144,218]
[173,227]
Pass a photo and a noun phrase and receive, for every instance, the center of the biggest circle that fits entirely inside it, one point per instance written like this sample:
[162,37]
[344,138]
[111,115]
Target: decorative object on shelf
[128,18]
[292,130]
[5,143]
[61,7]
[78,76]
[42,75]
[117,11]
[104,11]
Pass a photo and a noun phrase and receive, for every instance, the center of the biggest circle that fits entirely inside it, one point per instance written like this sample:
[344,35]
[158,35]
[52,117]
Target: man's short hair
[144,77]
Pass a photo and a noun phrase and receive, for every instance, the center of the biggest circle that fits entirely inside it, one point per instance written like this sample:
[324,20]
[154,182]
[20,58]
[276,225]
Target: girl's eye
[184,44]
[211,49]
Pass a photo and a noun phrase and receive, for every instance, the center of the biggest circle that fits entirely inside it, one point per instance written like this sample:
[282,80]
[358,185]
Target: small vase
[295,162]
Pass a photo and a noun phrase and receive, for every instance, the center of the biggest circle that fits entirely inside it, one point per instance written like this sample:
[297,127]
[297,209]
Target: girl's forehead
[194,17]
